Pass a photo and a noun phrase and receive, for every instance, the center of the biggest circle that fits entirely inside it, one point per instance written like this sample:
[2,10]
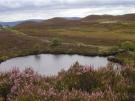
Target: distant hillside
[57,21]
[15,23]
[110,17]
[75,21]
[32,21]
[72,18]
[10,23]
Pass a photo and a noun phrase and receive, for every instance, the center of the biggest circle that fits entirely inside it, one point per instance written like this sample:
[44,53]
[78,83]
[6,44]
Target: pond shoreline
[50,63]
[58,53]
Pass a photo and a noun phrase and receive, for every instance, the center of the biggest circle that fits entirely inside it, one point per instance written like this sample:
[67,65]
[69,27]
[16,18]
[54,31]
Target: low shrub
[56,42]
[3,58]
[79,83]
[128,46]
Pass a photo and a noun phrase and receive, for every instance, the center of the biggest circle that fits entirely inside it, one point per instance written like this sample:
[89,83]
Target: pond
[49,64]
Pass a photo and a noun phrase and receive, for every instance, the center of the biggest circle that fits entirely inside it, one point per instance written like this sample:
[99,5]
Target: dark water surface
[49,64]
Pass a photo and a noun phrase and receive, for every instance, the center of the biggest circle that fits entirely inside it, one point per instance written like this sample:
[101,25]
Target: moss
[3,58]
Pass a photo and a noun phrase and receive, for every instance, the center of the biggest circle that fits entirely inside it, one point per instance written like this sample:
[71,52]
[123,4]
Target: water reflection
[49,64]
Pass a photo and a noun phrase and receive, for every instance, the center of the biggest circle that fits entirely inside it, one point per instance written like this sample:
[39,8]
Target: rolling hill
[15,23]
[92,35]
[94,29]
[76,20]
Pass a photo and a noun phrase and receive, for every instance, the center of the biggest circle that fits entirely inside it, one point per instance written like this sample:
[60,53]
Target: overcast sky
[12,10]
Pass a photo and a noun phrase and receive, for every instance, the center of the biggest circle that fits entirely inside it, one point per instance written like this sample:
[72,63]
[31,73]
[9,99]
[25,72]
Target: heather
[79,83]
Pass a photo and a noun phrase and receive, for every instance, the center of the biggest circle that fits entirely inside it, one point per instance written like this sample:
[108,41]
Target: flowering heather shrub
[79,83]
[79,78]
[4,86]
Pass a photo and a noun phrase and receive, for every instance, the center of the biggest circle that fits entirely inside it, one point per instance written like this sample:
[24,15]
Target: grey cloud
[59,4]
[28,8]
